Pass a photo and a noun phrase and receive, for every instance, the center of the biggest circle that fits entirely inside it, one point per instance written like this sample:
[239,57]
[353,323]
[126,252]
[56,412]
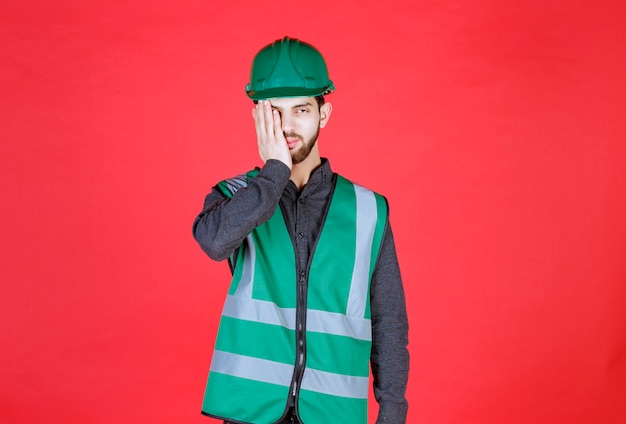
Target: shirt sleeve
[225,222]
[390,356]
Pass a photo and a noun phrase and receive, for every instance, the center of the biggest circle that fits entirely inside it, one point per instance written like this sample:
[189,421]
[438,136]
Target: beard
[303,152]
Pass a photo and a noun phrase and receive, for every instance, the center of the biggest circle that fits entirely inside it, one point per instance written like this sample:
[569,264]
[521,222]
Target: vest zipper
[301,308]
[298,373]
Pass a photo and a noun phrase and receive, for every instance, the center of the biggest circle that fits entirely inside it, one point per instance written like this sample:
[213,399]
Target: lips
[292,142]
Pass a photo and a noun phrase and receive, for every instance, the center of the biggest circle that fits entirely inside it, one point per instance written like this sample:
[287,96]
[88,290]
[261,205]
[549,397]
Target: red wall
[496,129]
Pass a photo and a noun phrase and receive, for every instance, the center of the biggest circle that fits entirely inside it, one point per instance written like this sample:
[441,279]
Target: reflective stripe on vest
[279,373]
[256,340]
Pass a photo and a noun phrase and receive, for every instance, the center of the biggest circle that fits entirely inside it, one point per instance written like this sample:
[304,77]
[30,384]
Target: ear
[325,112]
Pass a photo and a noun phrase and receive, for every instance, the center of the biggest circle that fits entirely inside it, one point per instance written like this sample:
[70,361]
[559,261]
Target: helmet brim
[277,92]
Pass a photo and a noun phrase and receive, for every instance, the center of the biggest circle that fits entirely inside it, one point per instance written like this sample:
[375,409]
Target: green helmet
[288,68]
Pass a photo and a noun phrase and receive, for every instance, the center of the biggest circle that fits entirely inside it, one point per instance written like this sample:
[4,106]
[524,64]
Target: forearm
[225,222]
[390,357]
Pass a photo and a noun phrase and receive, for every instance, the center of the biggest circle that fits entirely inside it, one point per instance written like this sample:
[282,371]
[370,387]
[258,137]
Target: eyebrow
[307,104]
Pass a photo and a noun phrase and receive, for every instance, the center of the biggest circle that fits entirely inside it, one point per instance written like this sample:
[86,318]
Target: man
[316,292]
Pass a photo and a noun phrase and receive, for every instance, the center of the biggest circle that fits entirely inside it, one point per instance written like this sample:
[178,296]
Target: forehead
[291,102]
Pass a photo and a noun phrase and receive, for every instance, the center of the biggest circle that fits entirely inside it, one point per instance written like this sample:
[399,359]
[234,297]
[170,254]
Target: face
[301,120]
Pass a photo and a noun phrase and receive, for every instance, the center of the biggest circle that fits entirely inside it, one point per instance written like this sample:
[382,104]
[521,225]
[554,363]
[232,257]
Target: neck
[301,172]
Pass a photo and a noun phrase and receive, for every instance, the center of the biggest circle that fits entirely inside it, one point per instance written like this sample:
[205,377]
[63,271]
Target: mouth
[292,141]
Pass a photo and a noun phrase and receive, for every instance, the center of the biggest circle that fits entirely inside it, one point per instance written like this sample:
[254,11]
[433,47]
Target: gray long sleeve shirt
[224,223]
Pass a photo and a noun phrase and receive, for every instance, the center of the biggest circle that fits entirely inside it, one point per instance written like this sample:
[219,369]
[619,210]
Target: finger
[278,127]
[255,116]
[268,118]
[259,122]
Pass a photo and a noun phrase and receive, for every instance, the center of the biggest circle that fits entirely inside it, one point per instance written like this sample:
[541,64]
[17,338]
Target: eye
[302,110]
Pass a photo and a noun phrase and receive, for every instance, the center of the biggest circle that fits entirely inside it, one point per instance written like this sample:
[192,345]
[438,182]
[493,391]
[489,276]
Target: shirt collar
[321,175]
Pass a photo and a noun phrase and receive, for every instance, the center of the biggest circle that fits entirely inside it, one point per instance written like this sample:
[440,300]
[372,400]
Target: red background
[496,129]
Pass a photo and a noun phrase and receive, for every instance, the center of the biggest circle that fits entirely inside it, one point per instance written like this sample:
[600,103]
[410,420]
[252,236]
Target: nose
[287,122]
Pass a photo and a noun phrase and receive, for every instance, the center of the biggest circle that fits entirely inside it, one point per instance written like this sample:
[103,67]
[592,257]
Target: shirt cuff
[276,172]
[392,413]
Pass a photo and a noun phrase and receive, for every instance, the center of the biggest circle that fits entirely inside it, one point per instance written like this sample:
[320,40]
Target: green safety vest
[252,369]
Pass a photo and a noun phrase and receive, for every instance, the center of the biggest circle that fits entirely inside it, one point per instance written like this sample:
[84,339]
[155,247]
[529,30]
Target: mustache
[292,135]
